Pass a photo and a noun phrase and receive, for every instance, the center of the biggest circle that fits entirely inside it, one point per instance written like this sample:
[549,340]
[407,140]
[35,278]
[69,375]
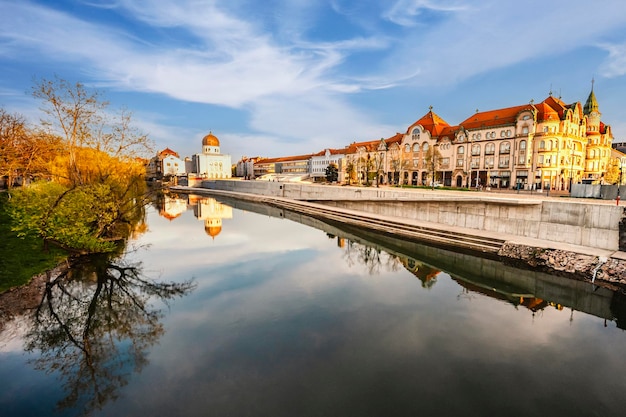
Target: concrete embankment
[579,239]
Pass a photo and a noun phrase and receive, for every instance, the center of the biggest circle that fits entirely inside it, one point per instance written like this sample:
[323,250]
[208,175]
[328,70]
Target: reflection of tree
[372,258]
[94,325]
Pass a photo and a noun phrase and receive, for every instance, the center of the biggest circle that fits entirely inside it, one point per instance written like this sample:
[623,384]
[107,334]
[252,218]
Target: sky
[291,77]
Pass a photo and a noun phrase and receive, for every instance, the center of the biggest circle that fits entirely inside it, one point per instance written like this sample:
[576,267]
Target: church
[211,164]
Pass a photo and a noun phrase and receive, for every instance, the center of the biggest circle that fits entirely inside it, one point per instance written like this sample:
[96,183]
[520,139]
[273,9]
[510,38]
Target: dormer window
[415,135]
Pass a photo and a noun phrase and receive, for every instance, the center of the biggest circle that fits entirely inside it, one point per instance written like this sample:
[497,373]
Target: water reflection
[207,209]
[94,326]
[521,288]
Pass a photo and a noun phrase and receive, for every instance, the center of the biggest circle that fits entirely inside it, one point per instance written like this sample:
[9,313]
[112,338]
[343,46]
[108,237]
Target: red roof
[168,151]
[494,117]
[546,112]
[431,122]
[285,159]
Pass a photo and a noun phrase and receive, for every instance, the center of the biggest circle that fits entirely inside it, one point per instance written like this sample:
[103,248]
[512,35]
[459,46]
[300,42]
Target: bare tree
[79,116]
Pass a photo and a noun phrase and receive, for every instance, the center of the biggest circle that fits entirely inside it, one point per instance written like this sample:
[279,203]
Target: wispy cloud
[412,12]
[615,64]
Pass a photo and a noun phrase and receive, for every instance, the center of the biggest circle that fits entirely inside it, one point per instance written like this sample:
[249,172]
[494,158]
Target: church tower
[591,110]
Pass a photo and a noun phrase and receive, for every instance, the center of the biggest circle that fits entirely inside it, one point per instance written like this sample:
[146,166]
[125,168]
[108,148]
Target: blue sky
[286,77]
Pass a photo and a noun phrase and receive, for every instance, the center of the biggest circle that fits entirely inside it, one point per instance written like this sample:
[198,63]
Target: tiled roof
[557,105]
[332,152]
[168,151]
[449,131]
[285,159]
[397,138]
[431,122]
[546,112]
[494,117]
[372,145]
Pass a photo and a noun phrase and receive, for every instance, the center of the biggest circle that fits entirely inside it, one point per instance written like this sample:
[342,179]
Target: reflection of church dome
[210,140]
[213,230]
[213,227]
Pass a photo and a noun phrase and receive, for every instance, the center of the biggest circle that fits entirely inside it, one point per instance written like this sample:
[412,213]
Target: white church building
[211,164]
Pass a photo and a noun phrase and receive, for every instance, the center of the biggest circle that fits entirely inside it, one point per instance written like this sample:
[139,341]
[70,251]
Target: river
[227,308]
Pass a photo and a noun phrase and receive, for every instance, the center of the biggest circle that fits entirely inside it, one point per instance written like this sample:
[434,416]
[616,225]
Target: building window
[407,148]
[415,134]
[489,162]
[490,149]
[474,163]
[460,162]
[505,147]
[416,147]
[425,147]
[525,130]
[460,150]
[475,149]
[522,145]
[504,162]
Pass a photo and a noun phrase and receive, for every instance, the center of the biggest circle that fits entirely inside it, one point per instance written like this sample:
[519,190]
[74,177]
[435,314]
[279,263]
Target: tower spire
[592,103]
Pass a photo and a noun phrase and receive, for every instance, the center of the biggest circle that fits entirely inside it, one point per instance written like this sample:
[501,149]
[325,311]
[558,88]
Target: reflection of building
[211,163]
[425,273]
[212,212]
[172,207]
[516,298]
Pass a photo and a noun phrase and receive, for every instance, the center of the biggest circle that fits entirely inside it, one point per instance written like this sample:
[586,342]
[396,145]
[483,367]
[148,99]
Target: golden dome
[212,227]
[210,140]
[213,230]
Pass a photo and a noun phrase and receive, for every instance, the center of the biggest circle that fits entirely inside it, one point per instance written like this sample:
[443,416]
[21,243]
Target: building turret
[591,110]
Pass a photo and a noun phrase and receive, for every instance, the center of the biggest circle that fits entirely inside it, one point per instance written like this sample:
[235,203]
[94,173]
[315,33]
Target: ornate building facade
[211,164]
[548,145]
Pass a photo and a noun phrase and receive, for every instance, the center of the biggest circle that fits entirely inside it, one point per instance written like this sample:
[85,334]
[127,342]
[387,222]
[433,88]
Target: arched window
[407,148]
[460,150]
[522,145]
[525,130]
[416,147]
[505,147]
[475,149]
[425,146]
[415,134]
[490,149]
[542,144]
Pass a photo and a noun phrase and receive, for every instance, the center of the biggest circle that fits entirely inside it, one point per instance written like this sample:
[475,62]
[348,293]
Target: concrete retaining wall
[565,221]
[604,192]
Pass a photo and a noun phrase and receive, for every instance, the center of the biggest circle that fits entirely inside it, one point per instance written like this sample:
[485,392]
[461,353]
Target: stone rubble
[574,265]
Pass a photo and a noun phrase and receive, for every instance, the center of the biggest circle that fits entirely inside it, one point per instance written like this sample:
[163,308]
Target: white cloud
[407,12]
[615,64]
[492,35]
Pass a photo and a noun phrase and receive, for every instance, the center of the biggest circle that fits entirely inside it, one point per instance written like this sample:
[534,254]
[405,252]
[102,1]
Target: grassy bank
[21,258]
